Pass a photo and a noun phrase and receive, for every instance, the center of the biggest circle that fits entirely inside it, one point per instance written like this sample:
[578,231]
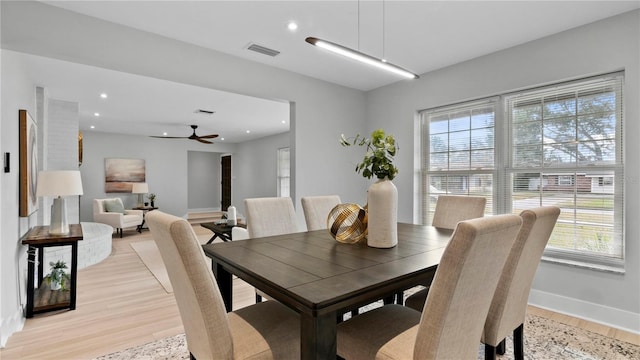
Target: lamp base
[140,200]
[59,224]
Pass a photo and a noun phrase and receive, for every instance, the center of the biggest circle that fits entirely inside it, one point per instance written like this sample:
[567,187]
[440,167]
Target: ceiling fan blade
[168,137]
[204,141]
[212,136]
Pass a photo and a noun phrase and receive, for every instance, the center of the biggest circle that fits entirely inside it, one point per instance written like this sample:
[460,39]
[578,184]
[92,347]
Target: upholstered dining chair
[453,208]
[267,330]
[509,304]
[450,209]
[453,318]
[269,216]
[316,210]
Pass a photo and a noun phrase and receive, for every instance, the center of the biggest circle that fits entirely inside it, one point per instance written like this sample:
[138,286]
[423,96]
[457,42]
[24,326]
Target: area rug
[150,256]
[544,339]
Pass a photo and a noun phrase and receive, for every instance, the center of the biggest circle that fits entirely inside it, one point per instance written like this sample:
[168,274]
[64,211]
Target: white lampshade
[59,183]
[140,188]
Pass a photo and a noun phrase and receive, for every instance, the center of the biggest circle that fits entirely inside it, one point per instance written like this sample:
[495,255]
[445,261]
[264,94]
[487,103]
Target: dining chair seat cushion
[397,341]
[267,330]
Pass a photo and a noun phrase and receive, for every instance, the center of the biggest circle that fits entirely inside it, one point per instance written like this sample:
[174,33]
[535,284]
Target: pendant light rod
[359,56]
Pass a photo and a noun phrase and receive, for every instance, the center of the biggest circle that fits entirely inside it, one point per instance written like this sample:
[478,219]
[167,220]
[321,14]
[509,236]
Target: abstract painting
[119,174]
[28,164]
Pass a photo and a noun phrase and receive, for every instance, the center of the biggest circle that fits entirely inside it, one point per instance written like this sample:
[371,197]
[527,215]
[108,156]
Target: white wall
[203,181]
[605,46]
[254,169]
[18,92]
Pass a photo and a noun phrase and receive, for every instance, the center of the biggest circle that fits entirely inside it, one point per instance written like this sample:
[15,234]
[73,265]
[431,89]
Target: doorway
[225,196]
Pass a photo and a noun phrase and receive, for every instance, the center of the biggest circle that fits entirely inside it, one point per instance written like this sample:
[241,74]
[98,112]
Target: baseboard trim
[10,325]
[605,315]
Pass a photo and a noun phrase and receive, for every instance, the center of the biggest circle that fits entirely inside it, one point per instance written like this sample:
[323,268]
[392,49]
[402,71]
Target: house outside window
[557,145]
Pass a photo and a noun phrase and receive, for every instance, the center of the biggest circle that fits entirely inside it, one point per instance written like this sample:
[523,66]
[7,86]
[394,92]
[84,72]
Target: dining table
[320,278]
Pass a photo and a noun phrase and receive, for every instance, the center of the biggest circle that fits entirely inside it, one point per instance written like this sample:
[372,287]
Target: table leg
[318,336]
[225,284]
[74,275]
[40,265]
[31,259]
[212,238]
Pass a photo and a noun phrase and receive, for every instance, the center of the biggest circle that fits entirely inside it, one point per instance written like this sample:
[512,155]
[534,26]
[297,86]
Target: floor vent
[263,50]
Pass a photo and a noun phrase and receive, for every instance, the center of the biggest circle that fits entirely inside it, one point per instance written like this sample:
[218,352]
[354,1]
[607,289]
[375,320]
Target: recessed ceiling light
[164,133]
[93,126]
[248,131]
[222,139]
[96,114]
[284,121]
[292,26]
[103,95]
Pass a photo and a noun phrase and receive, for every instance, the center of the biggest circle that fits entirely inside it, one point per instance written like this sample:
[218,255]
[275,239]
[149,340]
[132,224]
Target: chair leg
[489,352]
[518,343]
[258,298]
[120,229]
[502,347]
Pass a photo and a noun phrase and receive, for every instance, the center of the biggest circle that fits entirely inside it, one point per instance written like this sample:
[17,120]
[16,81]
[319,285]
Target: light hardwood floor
[120,305]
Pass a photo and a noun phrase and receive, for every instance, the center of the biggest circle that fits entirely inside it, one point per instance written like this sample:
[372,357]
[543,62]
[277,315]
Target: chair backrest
[450,209]
[270,216]
[509,303]
[316,210]
[99,206]
[239,233]
[461,292]
[201,306]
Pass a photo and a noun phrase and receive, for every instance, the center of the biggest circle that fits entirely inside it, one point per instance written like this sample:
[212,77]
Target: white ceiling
[418,35]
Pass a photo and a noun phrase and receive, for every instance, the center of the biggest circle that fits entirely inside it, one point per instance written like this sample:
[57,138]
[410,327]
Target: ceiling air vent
[263,50]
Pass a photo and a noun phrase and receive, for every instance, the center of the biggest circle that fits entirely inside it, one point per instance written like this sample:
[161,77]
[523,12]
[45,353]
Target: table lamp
[59,183]
[140,189]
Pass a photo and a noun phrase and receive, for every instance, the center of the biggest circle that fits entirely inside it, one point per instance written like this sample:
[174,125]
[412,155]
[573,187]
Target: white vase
[54,285]
[382,202]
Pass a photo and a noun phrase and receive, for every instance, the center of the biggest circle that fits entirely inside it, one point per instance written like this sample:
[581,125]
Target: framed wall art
[119,174]
[28,164]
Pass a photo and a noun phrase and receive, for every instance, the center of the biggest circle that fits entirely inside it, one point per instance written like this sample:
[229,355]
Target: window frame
[504,168]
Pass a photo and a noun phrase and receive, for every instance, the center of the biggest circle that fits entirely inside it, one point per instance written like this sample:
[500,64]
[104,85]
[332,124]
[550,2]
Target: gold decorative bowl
[347,223]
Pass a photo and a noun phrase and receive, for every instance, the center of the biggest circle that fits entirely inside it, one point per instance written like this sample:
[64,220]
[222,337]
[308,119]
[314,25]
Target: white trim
[612,317]
[11,325]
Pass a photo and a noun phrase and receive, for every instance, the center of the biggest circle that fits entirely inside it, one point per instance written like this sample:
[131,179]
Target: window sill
[585,265]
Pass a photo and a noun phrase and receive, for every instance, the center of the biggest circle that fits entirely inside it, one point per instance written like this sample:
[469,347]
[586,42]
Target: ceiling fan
[192,137]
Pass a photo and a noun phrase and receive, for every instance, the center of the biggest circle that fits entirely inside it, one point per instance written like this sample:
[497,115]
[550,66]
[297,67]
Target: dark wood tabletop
[319,277]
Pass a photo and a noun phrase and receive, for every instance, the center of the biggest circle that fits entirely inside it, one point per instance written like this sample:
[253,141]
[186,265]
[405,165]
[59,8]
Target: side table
[145,210]
[42,299]
[221,230]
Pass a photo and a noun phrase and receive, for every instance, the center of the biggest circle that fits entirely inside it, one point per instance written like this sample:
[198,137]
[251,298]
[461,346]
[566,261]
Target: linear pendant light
[362,57]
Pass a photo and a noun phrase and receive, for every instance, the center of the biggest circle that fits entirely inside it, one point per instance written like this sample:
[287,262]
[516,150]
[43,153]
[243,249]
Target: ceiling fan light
[362,57]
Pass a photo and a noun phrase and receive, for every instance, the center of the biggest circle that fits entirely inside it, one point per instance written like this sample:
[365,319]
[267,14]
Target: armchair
[112,212]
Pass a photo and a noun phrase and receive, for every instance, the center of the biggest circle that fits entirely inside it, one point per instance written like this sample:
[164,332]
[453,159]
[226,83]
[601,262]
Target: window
[284,172]
[460,153]
[558,145]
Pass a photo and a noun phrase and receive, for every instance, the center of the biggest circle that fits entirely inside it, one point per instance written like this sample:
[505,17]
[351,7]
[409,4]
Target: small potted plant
[152,199]
[57,277]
